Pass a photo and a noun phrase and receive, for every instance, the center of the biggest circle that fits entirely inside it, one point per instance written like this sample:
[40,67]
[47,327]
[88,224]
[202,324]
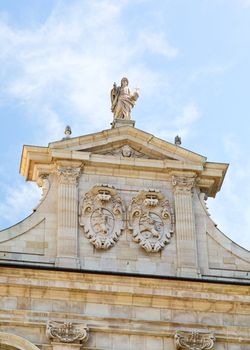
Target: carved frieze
[151,220]
[101,215]
[185,340]
[67,332]
[125,151]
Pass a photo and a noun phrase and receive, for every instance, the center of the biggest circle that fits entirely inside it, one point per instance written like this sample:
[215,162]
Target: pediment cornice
[149,154]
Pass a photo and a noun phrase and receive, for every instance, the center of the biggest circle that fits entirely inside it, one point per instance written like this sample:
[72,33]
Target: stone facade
[121,252]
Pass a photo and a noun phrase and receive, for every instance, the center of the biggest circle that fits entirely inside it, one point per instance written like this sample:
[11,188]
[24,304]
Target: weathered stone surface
[124,309]
[132,162]
[122,202]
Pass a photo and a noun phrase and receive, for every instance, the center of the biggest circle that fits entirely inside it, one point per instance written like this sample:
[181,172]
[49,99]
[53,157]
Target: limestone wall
[122,312]
[207,253]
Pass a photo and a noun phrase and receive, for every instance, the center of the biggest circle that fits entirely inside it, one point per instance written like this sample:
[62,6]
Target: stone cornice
[226,302]
[124,325]
[144,139]
[39,159]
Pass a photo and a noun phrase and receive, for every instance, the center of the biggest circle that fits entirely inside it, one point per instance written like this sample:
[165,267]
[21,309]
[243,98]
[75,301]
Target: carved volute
[185,340]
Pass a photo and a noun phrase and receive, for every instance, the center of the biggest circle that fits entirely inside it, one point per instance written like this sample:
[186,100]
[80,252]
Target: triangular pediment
[127,149]
[123,148]
[128,142]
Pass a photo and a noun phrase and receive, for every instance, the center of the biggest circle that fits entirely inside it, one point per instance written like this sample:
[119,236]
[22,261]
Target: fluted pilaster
[185,224]
[67,237]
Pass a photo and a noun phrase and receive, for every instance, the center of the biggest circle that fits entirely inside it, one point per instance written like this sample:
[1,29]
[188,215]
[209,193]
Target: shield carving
[151,220]
[101,215]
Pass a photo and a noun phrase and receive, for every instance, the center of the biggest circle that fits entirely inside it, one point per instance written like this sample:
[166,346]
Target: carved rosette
[67,332]
[185,340]
[101,215]
[151,220]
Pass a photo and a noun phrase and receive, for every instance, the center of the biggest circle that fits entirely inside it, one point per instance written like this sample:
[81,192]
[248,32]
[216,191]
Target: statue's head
[124,81]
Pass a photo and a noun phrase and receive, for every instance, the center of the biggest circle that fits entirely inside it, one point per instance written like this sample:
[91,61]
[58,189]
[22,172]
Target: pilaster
[68,174]
[185,224]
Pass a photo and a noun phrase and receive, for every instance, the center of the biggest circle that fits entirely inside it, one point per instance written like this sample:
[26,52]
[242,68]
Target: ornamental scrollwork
[101,215]
[183,184]
[67,332]
[68,175]
[44,183]
[151,220]
[185,340]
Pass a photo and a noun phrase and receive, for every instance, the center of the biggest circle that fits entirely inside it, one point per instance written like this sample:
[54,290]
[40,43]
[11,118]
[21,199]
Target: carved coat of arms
[151,220]
[101,215]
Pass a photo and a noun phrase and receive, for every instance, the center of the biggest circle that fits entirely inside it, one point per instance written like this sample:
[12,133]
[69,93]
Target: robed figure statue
[122,101]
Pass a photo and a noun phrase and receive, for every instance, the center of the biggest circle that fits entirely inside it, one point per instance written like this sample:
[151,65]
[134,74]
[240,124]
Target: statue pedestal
[117,123]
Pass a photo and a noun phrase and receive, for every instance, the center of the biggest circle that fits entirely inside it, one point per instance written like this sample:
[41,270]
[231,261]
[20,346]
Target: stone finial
[67,332]
[185,340]
[122,100]
[67,132]
[177,140]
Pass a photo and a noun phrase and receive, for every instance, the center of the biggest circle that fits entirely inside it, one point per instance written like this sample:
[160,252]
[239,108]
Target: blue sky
[190,60]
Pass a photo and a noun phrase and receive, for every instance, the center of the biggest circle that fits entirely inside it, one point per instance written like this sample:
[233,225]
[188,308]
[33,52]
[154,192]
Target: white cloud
[232,211]
[19,201]
[157,43]
[62,71]
[210,70]
[183,124]
[190,114]
[69,63]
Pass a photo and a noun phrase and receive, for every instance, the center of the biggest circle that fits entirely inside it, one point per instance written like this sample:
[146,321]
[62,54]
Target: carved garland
[67,332]
[151,220]
[101,215]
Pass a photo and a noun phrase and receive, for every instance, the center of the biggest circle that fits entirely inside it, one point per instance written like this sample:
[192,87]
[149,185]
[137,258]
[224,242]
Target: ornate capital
[185,340]
[68,175]
[67,332]
[183,184]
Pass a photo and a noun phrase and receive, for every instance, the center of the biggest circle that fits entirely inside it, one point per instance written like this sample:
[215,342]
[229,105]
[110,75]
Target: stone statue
[122,100]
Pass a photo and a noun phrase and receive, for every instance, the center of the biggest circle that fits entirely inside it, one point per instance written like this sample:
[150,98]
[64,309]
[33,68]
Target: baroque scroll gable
[101,215]
[151,220]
